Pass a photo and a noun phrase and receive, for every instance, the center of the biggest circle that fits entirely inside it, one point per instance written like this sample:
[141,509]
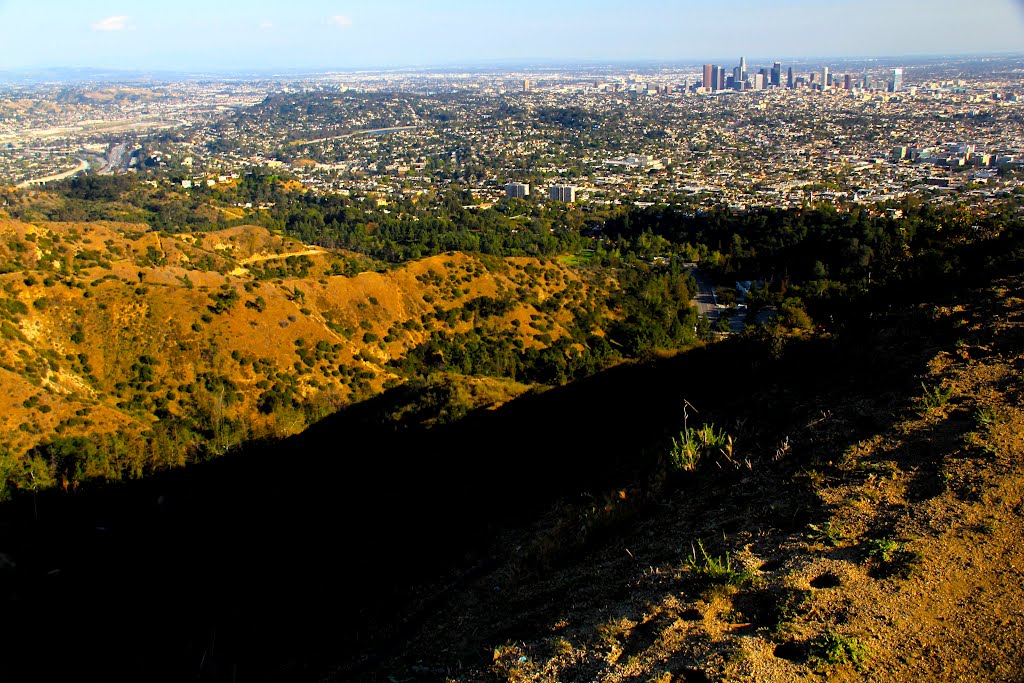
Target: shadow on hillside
[278,561]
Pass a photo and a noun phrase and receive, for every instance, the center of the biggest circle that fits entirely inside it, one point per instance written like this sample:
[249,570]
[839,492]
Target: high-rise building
[758,81]
[563,193]
[709,74]
[517,190]
[777,74]
[897,80]
[824,77]
[743,68]
[789,79]
[720,80]
[848,82]
[526,85]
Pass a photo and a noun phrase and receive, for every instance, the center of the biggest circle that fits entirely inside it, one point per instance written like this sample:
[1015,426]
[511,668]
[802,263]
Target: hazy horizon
[321,35]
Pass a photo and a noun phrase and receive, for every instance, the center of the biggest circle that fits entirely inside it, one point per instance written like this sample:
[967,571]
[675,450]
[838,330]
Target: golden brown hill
[235,334]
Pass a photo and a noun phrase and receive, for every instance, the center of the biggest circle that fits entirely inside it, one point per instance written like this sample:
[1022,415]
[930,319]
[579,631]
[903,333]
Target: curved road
[83,165]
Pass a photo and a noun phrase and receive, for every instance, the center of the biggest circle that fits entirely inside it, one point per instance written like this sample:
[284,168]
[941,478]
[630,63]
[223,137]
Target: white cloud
[118,23]
[266,25]
[340,20]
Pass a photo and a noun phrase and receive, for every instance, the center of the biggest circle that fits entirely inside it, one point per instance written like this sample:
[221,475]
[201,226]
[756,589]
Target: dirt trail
[273,257]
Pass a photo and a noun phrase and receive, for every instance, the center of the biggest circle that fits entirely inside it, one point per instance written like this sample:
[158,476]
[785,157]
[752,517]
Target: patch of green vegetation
[934,397]
[715,569]
[833,648]
[892,558]
[788,604]
[832,532]
[986,416]
[694,444]
[9,331]
[223,300]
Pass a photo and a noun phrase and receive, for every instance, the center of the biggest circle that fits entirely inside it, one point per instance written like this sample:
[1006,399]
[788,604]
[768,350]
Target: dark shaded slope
[281,561]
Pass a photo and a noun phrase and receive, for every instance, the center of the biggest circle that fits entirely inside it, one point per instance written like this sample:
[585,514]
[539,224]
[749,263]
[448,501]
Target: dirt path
[274,257]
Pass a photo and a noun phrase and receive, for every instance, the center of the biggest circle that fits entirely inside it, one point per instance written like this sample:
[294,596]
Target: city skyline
[259,35]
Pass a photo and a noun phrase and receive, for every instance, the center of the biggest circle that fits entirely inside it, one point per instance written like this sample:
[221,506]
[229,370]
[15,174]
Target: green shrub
[934,397]
[694,444]
[715,570]
[891,558]
[834,648]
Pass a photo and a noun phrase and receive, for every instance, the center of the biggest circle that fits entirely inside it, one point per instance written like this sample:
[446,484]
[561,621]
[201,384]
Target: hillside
[185,346]
[234,455]
[870,533]
[864,526]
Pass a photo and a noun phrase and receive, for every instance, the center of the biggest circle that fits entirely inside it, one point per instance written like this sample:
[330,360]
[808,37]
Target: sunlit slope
[233,334]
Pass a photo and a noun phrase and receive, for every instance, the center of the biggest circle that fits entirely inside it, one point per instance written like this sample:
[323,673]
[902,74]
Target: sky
[231,35]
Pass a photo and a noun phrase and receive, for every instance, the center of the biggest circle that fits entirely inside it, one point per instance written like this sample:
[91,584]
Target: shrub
[716,570]
[695,443]
[934,397]
[891,558]
[834,648]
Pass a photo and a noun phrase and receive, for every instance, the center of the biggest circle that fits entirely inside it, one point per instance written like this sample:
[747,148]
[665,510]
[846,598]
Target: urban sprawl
[708,135]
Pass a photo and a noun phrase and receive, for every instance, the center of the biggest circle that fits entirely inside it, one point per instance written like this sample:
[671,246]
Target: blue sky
[215,35]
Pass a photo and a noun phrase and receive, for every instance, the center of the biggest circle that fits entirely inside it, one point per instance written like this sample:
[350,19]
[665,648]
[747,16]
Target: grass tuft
[715,569]
[934,397]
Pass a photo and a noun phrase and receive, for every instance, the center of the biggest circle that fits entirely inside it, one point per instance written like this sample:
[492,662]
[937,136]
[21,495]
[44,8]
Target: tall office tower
[517,190]
[563,193]
[824,77]
[721,78]
[789,79]
[777,74]
[526,85]
[743,68]
[737,75]
[897,79]
[767,76]
[759,81]
[709,72]
[848,82]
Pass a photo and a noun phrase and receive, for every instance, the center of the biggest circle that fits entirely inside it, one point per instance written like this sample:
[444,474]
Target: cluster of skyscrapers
[718,78]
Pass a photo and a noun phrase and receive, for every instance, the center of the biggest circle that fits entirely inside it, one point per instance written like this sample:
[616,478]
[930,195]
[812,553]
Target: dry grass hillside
[108,327]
